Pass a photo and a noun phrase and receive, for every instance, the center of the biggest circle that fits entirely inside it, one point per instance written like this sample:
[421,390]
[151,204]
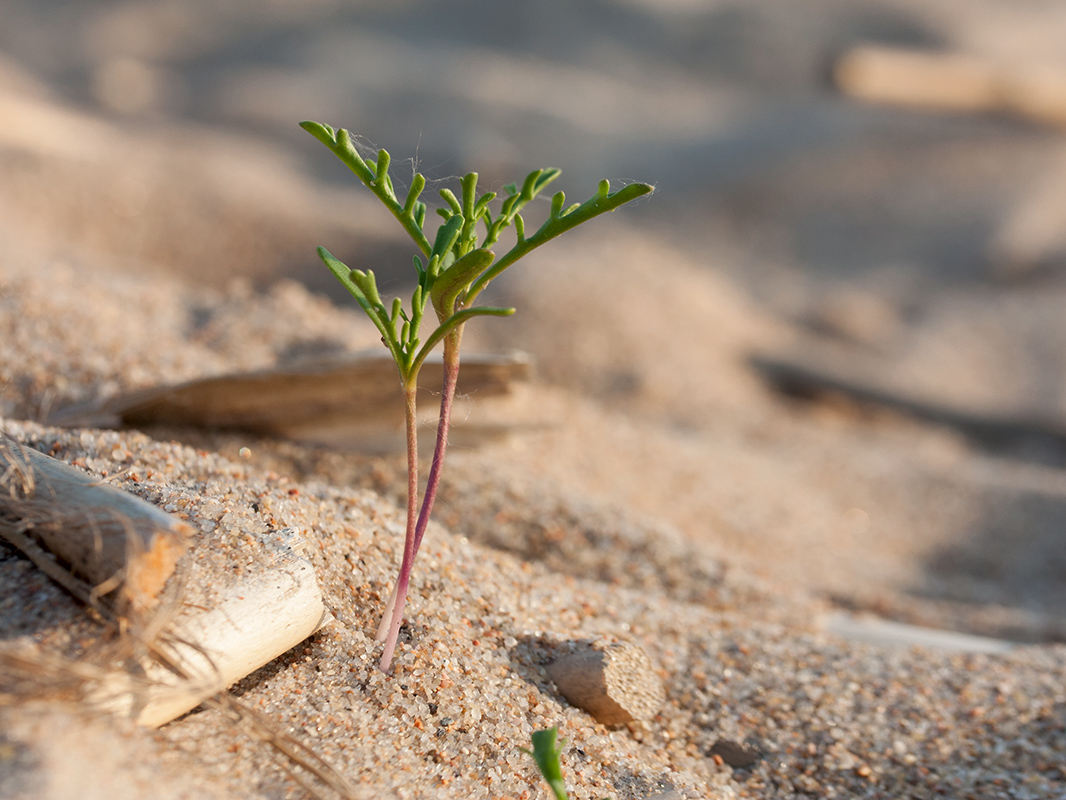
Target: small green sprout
[546,753]
[453,269]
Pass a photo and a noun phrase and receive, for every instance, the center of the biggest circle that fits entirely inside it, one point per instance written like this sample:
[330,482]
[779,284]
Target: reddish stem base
[392,619]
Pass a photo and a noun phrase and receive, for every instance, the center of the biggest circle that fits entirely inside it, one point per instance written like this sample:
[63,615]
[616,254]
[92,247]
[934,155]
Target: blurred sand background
[156,190]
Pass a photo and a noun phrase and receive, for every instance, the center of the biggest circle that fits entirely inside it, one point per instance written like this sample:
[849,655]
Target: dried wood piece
[114,542]
[98,541]
[952,82]
[353,400]
[257,618]
[202,651]
[615,683]
[888,633]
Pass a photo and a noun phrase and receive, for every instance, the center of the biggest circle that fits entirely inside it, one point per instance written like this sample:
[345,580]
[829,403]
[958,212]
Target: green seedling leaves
[457,267]
[418,183]
[411,214]
[363,287]
[382,171]
[455,242]
[453,323]
[448,196]
[324,133]
[546,753]
[559,221]
[447,236]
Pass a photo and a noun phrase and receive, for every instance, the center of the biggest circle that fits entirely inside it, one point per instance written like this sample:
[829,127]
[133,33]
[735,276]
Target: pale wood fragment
[256,618]
[615,683]
[352,400]
[202,652]
[100,542]
[887,633]
[952,82]
[114,542]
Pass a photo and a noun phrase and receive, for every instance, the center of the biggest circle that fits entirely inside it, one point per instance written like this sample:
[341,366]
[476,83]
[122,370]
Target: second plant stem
[418,518]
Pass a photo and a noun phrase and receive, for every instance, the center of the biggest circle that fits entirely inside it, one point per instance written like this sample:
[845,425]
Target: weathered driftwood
[615,683]
[887,633]
[117,544]
[952,82]
[100,542]
[256,619]
[351,400]
[202,651]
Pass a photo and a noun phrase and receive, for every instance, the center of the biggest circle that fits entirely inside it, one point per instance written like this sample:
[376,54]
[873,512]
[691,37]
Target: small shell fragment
[614,682]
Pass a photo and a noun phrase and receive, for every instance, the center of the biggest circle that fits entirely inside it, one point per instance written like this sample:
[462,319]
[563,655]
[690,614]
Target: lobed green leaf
[457,267]
[418,183]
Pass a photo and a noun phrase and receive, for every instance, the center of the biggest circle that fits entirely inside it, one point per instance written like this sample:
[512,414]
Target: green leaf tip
[557,204]
[546,753]
[537,180]
[448,196]
[632,190]
[324,133]
[384,159]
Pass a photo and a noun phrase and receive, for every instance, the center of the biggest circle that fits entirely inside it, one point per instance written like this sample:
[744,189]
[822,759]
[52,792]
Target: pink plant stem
[392,619]
[389,629]
[451,377]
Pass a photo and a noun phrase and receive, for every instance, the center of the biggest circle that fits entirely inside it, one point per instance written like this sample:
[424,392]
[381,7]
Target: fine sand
[652,489]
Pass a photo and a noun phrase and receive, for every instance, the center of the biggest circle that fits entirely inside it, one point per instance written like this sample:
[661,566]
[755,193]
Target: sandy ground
[654,488]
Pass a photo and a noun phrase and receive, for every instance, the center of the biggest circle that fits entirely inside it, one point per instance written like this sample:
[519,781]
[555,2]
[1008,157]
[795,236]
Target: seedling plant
[453,269]
[546,754]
